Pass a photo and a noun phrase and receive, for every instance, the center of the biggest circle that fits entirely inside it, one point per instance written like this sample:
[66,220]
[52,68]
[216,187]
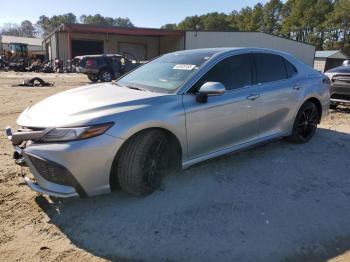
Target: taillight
[90,63]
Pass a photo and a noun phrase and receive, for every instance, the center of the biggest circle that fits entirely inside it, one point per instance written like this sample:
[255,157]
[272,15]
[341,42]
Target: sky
[143,13]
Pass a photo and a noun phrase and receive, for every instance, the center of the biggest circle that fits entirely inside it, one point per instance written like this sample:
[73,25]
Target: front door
[226,120]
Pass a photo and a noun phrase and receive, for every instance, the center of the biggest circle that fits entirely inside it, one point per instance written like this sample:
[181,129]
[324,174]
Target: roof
[7,39]
[137,31]
[142,31]
[340,69]
[330,54]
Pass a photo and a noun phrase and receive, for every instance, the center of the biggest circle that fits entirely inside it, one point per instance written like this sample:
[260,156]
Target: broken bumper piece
[50,178]
[36,187]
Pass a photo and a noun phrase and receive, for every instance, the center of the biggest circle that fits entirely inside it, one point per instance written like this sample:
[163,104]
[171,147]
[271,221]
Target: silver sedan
[179,109]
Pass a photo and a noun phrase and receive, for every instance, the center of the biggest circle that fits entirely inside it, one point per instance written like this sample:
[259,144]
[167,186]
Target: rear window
[269,68]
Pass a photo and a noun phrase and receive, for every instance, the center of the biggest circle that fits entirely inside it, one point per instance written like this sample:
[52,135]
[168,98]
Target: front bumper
[69,169]
[37,188]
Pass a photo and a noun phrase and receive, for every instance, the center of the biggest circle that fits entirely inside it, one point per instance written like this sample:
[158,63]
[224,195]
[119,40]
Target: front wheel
[305,123]
[143,162]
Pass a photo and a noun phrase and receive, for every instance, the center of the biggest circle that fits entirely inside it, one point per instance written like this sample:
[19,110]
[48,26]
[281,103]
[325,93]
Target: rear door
[279,89]
[226,120]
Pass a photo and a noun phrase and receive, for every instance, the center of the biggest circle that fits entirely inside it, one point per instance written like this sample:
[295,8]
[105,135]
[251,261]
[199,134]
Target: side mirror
[210,89]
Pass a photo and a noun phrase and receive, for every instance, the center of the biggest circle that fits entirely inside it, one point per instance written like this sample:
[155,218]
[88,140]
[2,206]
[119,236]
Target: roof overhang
[132,31]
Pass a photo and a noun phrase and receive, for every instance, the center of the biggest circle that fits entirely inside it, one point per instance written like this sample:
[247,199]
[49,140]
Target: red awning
[79,28]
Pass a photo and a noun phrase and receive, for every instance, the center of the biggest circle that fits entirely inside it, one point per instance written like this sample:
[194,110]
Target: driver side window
[234,72]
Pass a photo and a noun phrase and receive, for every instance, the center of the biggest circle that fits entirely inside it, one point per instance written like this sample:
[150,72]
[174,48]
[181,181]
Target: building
[35,45]
[325,60]
[70,40]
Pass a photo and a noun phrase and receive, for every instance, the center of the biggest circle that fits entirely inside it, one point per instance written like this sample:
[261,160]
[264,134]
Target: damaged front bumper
[45,172]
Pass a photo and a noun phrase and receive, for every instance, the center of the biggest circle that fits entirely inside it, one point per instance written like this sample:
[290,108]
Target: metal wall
[110,43]
[169,44]
[302,51]
[320,64]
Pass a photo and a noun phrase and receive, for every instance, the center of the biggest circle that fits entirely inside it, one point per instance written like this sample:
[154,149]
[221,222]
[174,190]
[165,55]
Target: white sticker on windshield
[184,67]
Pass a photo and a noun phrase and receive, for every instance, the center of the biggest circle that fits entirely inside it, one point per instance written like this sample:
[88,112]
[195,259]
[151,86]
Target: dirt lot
[278,202]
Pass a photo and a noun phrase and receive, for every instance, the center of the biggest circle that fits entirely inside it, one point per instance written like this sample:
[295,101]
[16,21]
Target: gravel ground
[277,202]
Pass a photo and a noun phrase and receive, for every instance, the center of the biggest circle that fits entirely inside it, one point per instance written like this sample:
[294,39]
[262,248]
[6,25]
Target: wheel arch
[317,103]
[176,152]
[105,67]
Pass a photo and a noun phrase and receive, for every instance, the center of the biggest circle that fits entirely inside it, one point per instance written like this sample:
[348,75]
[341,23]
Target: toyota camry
[175,111]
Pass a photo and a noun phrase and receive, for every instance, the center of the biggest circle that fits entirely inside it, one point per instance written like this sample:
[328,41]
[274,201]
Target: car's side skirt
[235,148]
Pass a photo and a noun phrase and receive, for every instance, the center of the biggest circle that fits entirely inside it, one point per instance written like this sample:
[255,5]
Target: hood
[340,69]
[84,105]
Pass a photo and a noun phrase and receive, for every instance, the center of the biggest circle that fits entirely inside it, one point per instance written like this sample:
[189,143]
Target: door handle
[253,97]
[296,87]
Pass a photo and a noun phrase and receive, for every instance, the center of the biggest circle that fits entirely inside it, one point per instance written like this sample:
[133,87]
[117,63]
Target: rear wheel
[106,75]
[93,78]
[143,162]
[305,123]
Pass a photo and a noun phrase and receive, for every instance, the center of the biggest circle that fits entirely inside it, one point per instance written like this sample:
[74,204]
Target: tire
[333,106]
[106,75]
[143,162]
[93,78]
[305,123]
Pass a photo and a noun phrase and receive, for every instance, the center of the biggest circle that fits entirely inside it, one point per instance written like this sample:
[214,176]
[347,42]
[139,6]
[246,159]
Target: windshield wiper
[137,88]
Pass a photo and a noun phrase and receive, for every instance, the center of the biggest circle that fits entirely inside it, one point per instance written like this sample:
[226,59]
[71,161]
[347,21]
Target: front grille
[340,96]
[51,171]
[56,173]
[341,79]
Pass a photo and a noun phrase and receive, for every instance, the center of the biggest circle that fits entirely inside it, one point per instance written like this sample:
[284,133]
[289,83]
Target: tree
[272,17]
[257,19]
[214,21]
[27,29]
[105,21]
[169,26]
[96,19]
[123,22]
[10,29]
[47,25]
[244,19]
[339,25]
[191,23]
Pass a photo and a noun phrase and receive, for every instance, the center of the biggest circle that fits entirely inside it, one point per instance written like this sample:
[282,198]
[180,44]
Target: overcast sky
[143,13]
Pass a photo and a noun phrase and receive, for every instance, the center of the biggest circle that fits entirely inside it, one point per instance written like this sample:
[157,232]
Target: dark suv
[340,85]
[104,67]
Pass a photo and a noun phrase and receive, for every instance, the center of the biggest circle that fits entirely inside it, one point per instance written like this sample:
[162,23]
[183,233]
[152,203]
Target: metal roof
[7,39]
[137,31]
[330,54]
[143,31]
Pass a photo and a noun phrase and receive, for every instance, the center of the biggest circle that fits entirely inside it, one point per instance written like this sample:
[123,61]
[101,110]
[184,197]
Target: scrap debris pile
[20,65]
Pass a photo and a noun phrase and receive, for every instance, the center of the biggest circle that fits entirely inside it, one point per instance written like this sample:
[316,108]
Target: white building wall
[320,64]
[200,39]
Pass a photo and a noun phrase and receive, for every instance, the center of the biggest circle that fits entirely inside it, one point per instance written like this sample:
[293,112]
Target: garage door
[83,47]
[137,51]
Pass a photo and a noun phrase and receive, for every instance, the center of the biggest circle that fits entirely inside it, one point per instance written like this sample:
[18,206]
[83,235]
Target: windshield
[167,73]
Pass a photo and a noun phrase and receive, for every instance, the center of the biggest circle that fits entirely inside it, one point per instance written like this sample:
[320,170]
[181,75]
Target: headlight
[60,134]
